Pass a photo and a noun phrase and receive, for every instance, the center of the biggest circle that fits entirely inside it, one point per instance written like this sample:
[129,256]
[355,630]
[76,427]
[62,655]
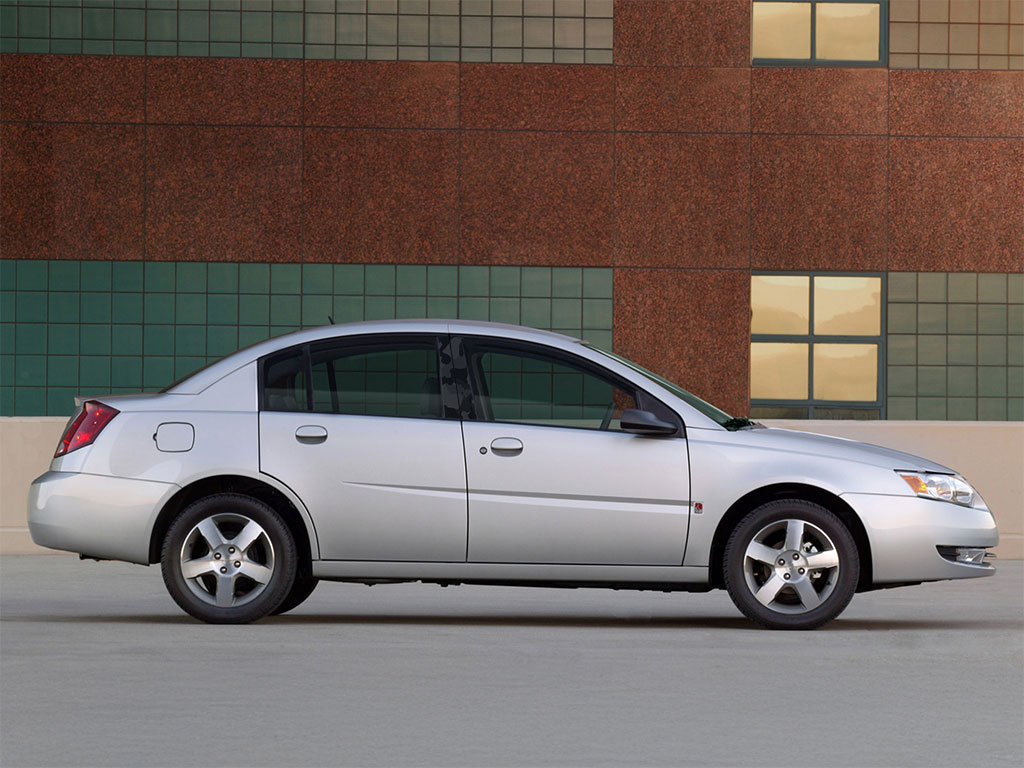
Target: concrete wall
[989,454]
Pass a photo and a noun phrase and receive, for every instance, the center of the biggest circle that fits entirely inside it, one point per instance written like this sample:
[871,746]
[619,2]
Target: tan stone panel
[993,62]
[964,11]
[1017,11]
[935,10]
[903,61]
[903,38]
[1017,40]
[963,38]
[904,10]
[963,61]
[994,39]
[935,38]
[934,61]
[995,11]
[1017,62]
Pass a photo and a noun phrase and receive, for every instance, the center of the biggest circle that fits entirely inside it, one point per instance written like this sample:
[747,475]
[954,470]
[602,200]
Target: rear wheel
[229,559]
[301,589]
[791,564]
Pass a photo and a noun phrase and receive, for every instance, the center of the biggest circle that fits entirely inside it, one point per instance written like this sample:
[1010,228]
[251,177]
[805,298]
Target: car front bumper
[905,533]
[109,518]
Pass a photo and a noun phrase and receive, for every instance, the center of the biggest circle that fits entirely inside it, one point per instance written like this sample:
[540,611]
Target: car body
[464,452]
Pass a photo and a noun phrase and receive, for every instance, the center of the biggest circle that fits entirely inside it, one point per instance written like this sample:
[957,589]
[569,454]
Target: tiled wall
[955,346]
[92,327]
[956,34]
[563,31]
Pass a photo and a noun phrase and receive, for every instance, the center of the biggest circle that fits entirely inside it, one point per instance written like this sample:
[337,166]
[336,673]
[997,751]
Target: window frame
[811,338]
[813,61]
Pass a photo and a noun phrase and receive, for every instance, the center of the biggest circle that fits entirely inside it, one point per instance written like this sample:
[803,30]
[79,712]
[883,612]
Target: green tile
[317,279]
[157,372]
[254,278]
[566,313]
[158,340]
[1015,350]
[992,350]
[597,283]
[159,308]
[8,301]
[474,309]
[65,46]
[62,339]
[411,280]
[31,307]
[600,339]
[29,337]
[94,371]
[122,276]
[536,282]
[348,279]
[597,313]
[33,22]
[126,371]
[221,340]
[902,318]
[60,401]
[193,25]
[1015,288]
[504,310]
[411,307]
[225,50]
[931,350]
[127,307]
[9,274]
[348,309]
[962,380]
[992,318]
[61,370]
[256,51]
[931,380]
[442,307]
[991,409]
[159,277]
[380,280]
[901,380]
[963,287]
[1015,409]
[536,313]
[962,408]
[97,47]
[285,278]
[65,22]
[992,381]
[7,369]
[287,27]
[931,408]
[442,281]
[315,310]
[902,286]
[320,29]
[474,281]
[287,51]
[963,318]
[379,307]
[931,286]
[64,276]
[250,334]
[63,307]
[8,45]
[566,282]
[98,23]
[126,339]
[285,310]
[256,27]
[30,370]
[225,26]
[504,281]
[1015,318]
[1015,381]
[901,349]
[129,24]
[931,318]
[190,277]
[6,401]
[95,308]
[186,366]
[161,25]
[32,275]
[992,288]
[8,21]
[190,340]
[253,310]
[94,339]
[222,309]
[7,334]
[190,309]
[30,401]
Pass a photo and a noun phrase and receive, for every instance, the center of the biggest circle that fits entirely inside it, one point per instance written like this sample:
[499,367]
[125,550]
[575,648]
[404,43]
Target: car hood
[810,443]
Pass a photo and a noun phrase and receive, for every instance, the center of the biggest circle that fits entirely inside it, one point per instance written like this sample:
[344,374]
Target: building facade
[794,209]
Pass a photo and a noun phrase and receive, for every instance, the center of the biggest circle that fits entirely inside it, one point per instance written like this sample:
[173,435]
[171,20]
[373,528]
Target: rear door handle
[311,433]
[509,446]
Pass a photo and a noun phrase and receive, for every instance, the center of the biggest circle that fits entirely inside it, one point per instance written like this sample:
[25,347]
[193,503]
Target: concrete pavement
[99,667]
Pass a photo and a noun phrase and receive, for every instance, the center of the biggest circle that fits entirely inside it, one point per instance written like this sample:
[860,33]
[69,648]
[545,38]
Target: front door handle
[311,433]
[508,446]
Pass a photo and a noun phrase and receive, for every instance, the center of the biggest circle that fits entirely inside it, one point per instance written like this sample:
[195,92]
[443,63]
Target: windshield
[715,414]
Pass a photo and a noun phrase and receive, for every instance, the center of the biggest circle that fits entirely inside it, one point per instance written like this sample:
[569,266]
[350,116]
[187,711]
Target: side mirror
[646,423]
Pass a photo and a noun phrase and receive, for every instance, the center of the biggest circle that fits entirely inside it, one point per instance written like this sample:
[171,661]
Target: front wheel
[791,564]
[229,559]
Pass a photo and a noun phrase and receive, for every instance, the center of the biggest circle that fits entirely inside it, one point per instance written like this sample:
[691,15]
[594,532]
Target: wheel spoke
[794,534]
[209,531]
[225,590]
[762,553]
[808,595]
[769,590]
[247,535]
[191,569]
[827,559]
[258,573]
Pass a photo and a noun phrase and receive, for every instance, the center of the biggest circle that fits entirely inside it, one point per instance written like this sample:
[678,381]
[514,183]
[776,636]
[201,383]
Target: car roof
[203,378]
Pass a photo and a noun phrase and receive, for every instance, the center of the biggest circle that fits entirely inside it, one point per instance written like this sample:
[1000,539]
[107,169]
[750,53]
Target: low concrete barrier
[989,454]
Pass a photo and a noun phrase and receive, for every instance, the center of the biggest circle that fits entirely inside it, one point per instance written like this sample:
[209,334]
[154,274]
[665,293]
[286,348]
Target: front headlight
[941,487]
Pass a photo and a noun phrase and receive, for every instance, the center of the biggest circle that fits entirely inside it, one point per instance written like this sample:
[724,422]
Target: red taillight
[86,427]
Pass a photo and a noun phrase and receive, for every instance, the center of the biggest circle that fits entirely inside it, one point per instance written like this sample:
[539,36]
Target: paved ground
[99,668]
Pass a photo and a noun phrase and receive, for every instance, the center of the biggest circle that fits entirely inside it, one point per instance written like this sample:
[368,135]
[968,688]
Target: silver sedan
[457,452]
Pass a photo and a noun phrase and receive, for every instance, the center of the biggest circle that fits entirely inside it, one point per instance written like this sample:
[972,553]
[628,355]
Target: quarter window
[818,32]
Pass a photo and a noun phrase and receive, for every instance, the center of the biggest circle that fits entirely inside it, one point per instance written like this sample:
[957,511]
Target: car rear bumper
[95,515]
[905,533]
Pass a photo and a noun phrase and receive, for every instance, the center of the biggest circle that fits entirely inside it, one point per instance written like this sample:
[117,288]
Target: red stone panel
[956,204]
[819,100]
[56,88]
[682,99]
[956,103]
[691,326]
[682,200]
[697,33]
[381,196]
[537,198]
[537,96]
[71,191]
[223,193]
[382,94]
[232,91]
[818,202]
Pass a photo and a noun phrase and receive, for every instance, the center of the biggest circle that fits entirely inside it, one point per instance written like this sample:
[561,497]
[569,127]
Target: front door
[552,478]
[357,429]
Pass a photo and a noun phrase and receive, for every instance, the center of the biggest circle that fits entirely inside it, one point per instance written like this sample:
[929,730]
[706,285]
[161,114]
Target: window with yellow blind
[818,32]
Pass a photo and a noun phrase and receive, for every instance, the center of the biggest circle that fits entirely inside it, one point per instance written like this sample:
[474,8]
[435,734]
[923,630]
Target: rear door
[357,428]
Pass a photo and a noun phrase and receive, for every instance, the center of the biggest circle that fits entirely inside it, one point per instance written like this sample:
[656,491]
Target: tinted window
[284,381]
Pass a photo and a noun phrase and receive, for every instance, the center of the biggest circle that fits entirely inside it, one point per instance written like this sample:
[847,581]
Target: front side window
[818,32]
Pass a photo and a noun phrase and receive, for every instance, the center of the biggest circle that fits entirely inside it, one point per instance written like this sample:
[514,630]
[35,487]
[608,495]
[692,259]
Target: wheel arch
[305,536]
[752,500]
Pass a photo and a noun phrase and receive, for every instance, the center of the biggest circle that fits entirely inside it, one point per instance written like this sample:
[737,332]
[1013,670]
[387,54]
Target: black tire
[301,589]
[272,555]
[833,587]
